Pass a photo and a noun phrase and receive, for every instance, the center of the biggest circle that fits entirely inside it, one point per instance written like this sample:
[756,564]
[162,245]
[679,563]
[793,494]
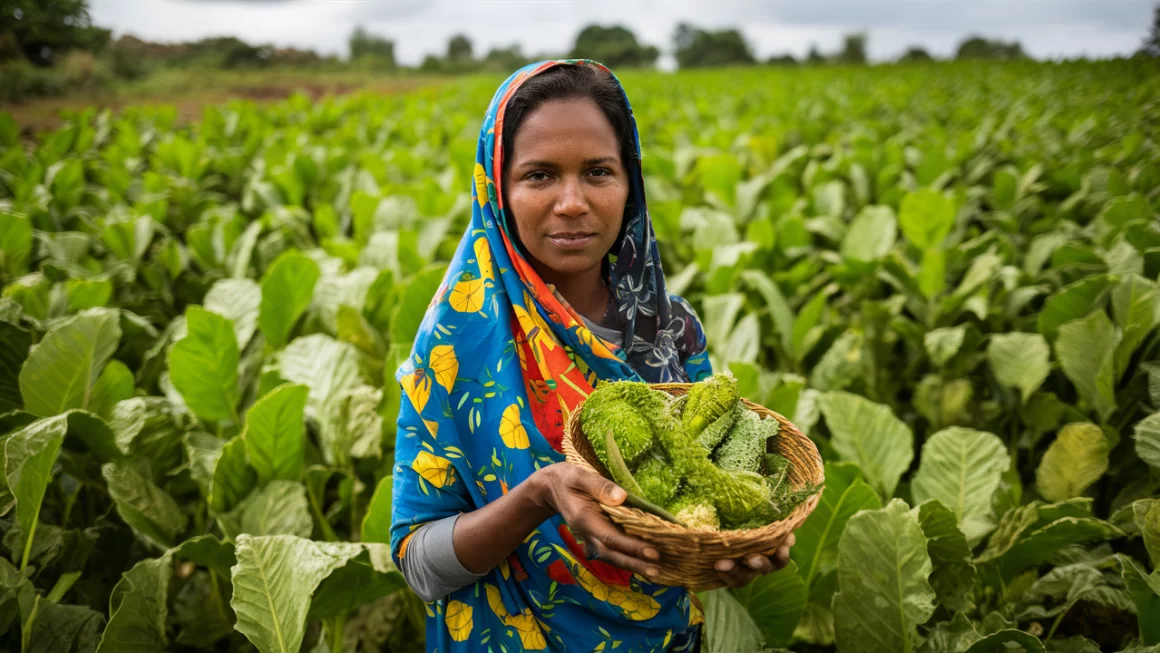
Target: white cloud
[1046,29]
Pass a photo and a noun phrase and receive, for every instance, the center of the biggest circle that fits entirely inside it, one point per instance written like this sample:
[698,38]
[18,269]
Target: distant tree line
[692,47]
[48,45]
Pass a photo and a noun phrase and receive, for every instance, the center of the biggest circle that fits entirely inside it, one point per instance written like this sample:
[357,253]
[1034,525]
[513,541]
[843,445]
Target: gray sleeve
[431,567]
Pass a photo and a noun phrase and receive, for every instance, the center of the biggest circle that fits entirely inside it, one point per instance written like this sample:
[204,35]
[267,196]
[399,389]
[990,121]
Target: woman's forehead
[576,127]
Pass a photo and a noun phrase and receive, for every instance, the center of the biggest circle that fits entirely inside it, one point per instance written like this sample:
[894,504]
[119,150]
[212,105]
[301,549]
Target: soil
[45,114]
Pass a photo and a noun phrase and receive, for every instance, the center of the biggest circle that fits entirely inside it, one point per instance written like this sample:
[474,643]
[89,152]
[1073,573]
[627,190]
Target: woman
[555,287]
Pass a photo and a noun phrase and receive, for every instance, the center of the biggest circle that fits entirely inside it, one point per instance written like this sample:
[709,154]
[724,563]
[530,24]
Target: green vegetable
[745,447]
[631,411]
[708,401]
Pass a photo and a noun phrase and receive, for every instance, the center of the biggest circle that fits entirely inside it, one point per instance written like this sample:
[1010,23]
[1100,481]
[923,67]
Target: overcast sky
[1095,28]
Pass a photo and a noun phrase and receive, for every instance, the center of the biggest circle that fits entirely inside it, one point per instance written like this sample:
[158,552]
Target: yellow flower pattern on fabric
[445,365]
[636,606]
[531,635]
[417,386]
[514,435]
[459,622]
[467,296]
[533,324]
[481,182]
[437,470]
[483,259]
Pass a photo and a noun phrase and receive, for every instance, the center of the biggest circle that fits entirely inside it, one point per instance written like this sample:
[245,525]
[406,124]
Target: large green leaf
[376,523]
[275,434]
[953,636]
[364,578]
[237,300]
[870,435]
[871,234]
[1032,533]
[203,366]
[63,369]
[942,344]
[232,477]
[352,426]
[29,456]
[413,301]
[15,243]
[1076,458]
[89,430]
[775,602]
[115,384]
[1146,516]
[150,511]
[883,594]
[1008,641]
[1144,590]
[202,452]
[953,577]
[200,613]
[728,626]
[1135,307]
[286,292]
[273,582]
[1072,302]
[1086,350]
[64,628]
[138,609]
[816,548]
[326,366]
[962,468]
[926,217]
[1147,436]
[280,508]
[1019,360]
[14,345]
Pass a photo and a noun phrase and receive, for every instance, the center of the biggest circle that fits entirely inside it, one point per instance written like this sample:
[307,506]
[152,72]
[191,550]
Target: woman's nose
[571,200]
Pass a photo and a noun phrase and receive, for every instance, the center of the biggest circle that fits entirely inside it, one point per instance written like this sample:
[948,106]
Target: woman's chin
[565,264]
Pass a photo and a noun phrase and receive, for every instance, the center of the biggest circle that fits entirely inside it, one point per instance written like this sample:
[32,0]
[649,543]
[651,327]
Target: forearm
[485,537]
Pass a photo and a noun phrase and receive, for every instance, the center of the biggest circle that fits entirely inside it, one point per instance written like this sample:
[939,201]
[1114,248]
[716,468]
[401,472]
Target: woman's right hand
[576,494]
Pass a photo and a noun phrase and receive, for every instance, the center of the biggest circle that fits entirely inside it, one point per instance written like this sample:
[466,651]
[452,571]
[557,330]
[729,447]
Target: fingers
[599,488]
[735,575]
[603,539]
[605,542]
[635,565]
[743,571]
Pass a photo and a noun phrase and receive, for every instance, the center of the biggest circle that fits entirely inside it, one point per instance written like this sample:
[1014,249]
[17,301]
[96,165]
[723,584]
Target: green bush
[20,80]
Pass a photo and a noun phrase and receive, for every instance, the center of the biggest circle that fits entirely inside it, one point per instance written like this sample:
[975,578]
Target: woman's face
[566,187]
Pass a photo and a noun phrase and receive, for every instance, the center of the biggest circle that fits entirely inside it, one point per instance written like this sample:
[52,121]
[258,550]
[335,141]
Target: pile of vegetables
[703,460]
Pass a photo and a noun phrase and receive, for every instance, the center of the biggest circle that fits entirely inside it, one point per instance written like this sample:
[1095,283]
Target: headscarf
[499,362]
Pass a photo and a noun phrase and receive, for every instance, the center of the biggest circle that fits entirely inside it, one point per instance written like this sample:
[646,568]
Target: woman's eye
[537,176]
[600,172]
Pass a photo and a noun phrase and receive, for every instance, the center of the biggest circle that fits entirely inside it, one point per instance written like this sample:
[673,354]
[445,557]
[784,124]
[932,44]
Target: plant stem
[337,626]
[328,533]
[28,546]
[1058,620]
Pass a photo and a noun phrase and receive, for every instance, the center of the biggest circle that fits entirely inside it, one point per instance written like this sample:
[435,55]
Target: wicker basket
[688,555]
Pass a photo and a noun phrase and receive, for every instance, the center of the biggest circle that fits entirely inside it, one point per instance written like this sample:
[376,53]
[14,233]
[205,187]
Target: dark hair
[567,82]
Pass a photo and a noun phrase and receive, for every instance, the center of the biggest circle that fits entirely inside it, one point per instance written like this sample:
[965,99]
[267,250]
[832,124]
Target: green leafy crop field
[947,275]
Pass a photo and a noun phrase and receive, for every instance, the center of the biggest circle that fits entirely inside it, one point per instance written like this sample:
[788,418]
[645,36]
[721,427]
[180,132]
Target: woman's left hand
[738,573]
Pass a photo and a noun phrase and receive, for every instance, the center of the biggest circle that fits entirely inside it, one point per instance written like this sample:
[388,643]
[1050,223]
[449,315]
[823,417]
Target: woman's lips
[572,241]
